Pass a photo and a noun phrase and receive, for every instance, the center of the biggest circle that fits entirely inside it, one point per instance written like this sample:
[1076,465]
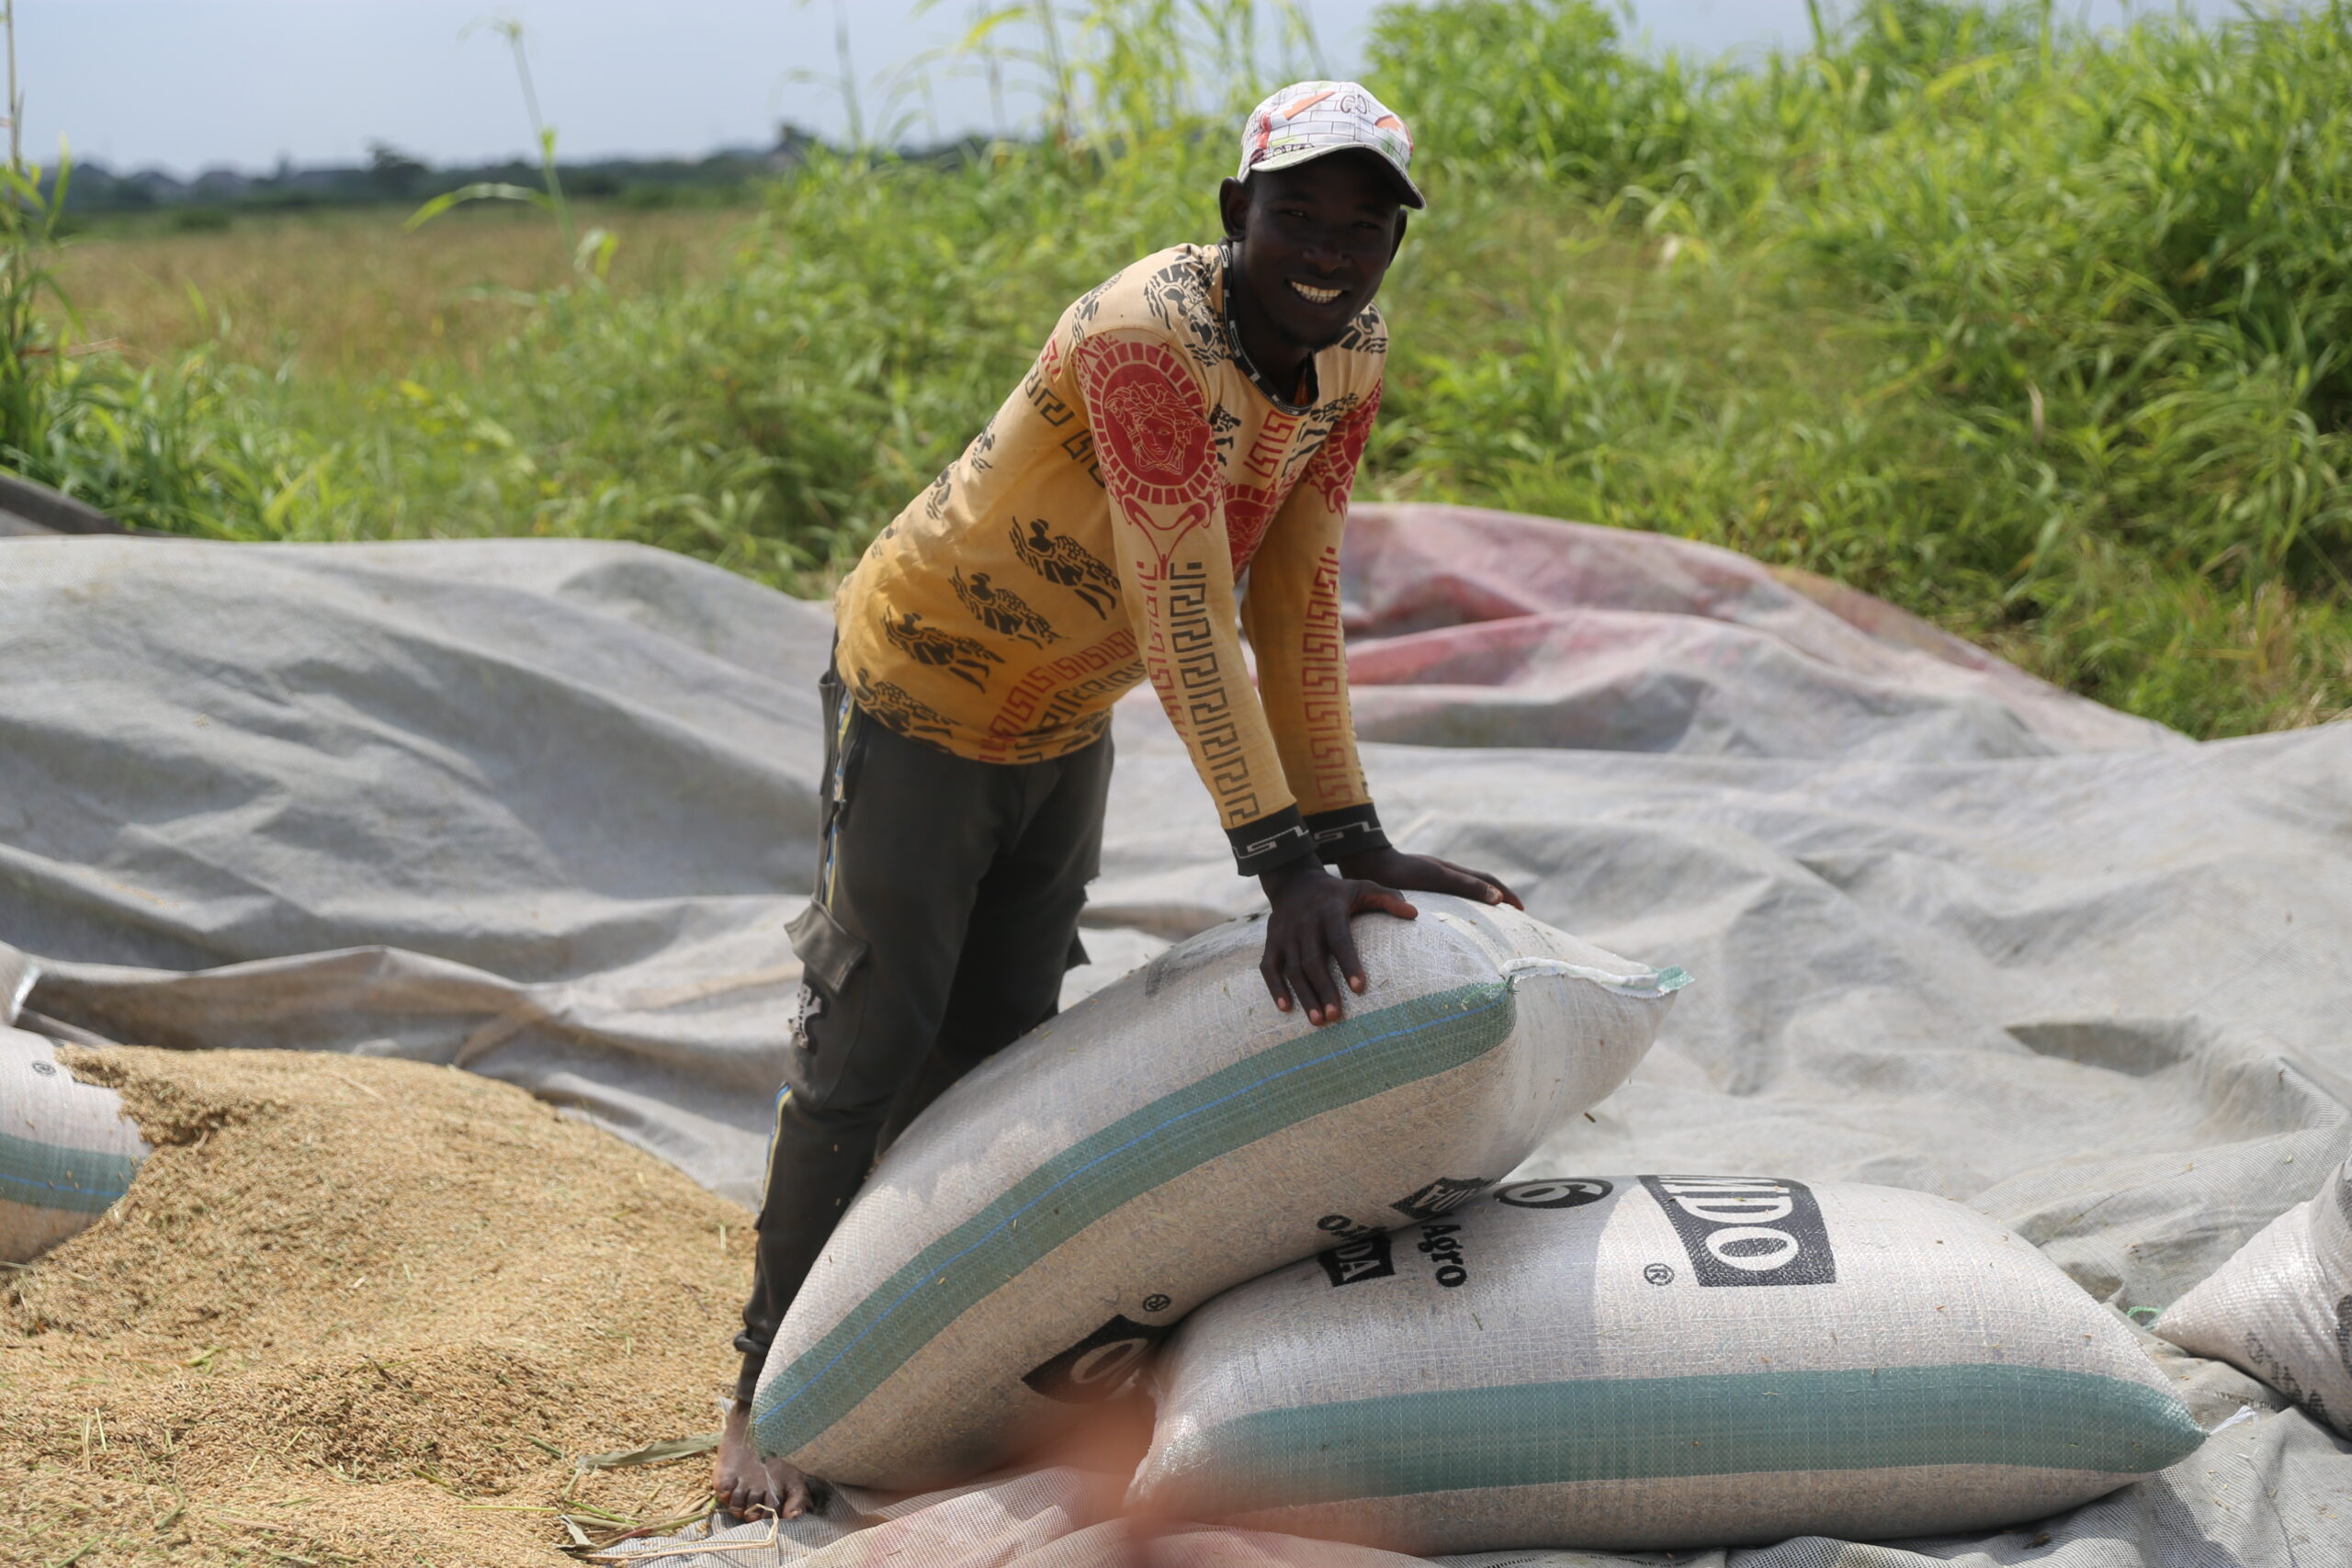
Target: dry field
[347,293]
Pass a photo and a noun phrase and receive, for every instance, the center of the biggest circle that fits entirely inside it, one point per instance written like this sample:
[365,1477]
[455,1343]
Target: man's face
[1315,241]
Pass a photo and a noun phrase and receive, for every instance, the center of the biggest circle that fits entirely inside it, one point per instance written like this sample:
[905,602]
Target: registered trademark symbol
[1155,1303]
[1658,1274]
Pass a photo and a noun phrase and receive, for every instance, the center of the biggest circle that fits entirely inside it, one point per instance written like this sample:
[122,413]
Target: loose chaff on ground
[363,1329]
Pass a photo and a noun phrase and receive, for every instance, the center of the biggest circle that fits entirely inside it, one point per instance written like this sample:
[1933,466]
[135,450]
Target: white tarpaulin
[543,809]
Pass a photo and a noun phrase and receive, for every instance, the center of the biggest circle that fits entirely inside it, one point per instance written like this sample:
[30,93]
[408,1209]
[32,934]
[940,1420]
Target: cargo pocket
[829,956]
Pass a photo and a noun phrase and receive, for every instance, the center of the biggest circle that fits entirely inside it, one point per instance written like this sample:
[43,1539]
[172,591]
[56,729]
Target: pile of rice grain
[357,1311]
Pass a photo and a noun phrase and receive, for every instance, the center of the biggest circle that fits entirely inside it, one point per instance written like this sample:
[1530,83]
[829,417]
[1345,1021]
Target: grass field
[2042,335]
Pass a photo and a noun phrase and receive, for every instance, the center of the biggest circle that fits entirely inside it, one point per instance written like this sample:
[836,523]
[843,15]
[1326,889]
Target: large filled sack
[2281,1307]
[1051,1218]
[1658,1363]
[67,1151]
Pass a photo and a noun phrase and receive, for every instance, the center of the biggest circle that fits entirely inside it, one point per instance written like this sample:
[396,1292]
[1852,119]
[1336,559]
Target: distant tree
[792,146]
[392,171]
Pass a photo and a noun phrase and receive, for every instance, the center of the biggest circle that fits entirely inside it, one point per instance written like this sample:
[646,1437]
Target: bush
[2105,282]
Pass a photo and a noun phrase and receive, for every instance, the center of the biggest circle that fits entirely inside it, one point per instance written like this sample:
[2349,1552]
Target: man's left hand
[1426,874]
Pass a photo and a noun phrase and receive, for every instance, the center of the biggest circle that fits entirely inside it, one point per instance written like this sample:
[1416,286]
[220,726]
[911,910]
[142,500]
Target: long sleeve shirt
[1092,536]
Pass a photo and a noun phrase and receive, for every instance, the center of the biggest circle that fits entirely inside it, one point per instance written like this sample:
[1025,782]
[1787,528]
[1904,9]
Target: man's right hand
[1306,934]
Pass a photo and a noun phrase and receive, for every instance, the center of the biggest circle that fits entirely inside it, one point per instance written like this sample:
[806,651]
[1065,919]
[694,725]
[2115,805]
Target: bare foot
[747,1485]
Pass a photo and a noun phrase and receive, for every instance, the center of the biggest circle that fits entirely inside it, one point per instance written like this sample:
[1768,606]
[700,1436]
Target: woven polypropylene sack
[1037,1231]
[2281,1307]
[1657,1363]
[66,1150]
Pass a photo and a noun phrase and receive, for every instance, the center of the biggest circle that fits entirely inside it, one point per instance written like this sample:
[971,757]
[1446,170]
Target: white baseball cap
[1310,120]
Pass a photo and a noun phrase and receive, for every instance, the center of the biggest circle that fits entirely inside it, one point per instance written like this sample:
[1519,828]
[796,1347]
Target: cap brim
[1406,191]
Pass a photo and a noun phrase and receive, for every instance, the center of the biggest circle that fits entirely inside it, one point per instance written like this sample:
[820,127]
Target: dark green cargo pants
[945,913]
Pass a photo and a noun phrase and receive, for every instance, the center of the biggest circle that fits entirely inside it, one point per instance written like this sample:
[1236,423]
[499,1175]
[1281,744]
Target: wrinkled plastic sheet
[542,809]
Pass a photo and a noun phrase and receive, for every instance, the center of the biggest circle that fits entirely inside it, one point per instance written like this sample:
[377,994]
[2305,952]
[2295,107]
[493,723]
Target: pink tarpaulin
[1482,628]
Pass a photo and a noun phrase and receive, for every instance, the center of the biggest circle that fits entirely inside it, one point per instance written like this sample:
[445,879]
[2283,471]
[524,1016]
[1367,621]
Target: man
[1193,423]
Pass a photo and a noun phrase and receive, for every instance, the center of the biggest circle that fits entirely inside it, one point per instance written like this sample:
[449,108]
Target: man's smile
[1313,294]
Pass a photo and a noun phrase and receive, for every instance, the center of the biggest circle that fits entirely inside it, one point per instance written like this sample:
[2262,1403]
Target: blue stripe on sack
[47,1176]
[1667,1428]
[1304,1077]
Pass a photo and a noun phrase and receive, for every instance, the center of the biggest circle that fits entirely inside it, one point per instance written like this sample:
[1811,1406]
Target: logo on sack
[1442,1244]
[1345,1228]
[1441,1197]
[1747,1230]
[2275,1371]
[1567,1192]
[1101,1366]
[1366,1258]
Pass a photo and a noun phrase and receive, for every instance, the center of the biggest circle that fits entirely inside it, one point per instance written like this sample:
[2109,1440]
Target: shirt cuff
[1258,846]
[1349,830]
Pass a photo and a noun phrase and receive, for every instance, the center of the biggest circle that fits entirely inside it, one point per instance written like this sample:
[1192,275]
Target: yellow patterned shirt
[1091,537]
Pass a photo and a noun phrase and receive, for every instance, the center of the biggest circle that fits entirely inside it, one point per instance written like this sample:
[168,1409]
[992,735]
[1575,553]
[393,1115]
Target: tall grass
[30,300]
[2038,332]
[591,253]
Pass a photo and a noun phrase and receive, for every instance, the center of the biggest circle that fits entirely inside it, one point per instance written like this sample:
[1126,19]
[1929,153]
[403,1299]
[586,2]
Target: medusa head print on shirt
[1092,536]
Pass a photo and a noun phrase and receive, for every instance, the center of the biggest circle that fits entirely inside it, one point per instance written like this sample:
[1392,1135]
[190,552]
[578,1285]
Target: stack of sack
[1407,1352]
[1052,1217]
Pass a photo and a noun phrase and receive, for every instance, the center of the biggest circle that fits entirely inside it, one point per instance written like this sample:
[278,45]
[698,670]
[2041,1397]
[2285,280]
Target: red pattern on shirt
[1323,686]
[1249,512]
[1332,469]
[1159,462]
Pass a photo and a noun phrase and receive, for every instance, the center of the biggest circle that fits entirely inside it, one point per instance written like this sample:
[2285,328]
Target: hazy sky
[185,85]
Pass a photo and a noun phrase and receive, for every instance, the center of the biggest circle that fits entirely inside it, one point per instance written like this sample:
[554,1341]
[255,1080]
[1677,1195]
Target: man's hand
[1308,933]
[1426,874]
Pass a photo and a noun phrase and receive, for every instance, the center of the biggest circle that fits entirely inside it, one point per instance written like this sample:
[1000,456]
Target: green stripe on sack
[47,1176]
[1317,1071]
[1666,1428]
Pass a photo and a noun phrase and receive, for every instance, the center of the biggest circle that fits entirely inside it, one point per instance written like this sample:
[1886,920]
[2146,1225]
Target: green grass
[2041,335]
